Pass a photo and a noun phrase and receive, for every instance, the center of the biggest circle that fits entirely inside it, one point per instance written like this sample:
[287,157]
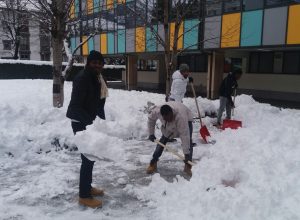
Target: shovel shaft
[174,152]
[194,93]
[232,112]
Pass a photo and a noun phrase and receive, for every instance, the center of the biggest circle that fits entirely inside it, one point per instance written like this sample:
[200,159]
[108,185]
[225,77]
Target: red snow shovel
[232,124]
[203,130]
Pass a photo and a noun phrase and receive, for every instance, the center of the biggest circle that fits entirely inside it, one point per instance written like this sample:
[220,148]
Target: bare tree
[171,14]
[14,19]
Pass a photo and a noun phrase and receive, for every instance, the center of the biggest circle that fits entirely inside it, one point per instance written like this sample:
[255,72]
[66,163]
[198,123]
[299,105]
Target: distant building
[261,37]
[35,41]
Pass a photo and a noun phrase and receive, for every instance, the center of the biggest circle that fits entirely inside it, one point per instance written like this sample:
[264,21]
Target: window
[266,62]
[7,45]
[291,63]
[24,43]
[25,55]
[252,4]
[120,13]
[45,56]
[196,62]
[130,16]
[232,5]
[278,2]
[141,13]
[261,62]
[213,7]
[147,65]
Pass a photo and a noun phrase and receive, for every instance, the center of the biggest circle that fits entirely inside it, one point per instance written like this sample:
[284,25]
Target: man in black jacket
[227,88]
[82,110]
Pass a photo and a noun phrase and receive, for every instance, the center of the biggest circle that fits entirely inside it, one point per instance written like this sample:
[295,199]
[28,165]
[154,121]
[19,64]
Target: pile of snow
[250,173]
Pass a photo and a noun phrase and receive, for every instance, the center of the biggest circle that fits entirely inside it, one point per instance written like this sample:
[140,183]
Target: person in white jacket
[176,121]
[179,82]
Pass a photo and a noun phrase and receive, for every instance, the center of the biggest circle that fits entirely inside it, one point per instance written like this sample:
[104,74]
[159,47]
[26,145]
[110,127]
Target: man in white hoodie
[179,82]
[176,120]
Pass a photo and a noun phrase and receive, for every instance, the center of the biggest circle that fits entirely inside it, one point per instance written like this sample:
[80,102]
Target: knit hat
[184,68]
[95,55]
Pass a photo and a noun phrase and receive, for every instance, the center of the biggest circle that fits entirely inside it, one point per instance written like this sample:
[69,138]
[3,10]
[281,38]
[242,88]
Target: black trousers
[77,126]
[101,112]
[86,177]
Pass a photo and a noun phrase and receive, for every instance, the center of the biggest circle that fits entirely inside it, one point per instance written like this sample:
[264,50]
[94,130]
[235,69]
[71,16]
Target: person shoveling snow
[86,100]
[176,121]
[229,84]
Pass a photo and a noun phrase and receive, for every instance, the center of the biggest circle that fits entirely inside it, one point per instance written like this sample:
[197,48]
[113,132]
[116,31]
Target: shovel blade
[232,124]
[204,133]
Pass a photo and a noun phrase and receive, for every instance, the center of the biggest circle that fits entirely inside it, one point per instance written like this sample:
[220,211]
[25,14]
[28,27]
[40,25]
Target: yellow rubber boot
[152,168]
[97,192]
[90,202]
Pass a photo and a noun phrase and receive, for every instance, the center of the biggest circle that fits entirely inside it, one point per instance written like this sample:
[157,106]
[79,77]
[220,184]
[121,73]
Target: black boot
[85,181]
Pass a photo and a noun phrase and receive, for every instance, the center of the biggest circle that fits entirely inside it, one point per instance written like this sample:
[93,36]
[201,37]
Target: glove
[152,137]
[187,158]
[191,80]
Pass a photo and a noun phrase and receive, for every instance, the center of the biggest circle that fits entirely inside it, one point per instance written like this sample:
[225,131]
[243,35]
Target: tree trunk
[167,47]
[17,46]
[58,33]
[58,85]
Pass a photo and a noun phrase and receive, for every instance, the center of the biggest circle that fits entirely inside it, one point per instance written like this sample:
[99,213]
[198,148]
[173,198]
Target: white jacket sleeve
[152,118]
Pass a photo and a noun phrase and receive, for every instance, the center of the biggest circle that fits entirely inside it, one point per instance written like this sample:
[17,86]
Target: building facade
[261,37]
[35,40]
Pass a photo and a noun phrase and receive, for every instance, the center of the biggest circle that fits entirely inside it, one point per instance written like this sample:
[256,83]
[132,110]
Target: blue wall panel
[96,5]
[251,28]
[121,41]
[191,34]
[91,44]
[151,44]
[110,43]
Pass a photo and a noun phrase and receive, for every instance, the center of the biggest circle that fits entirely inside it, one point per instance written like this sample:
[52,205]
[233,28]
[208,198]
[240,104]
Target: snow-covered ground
[250,173]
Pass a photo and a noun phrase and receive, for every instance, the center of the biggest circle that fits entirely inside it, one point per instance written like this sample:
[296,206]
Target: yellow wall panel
[90,6]
[85,49]
[140,38]
[293,35]
[72,10]
[103,43]
[231,27]
[172,31]
[109,4]
[180,35]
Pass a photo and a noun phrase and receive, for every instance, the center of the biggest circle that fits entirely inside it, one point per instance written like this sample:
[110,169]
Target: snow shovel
[174,152]
[203,130]
[230,123]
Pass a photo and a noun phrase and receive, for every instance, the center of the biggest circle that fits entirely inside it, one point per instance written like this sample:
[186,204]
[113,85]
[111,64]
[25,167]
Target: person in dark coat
[229,84]
[83,108]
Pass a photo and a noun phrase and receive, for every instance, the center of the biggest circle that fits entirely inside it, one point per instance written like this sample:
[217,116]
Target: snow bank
[250,173]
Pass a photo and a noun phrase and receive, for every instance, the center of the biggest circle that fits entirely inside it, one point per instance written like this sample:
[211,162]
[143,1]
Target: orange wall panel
[231,28]
[85,49]
[180,36]
[103,43]
[140,38]
[90,6]
[293,34]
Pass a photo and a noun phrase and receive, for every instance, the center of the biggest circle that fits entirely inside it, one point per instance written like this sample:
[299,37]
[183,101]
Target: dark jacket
[229,84]
[85,97]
